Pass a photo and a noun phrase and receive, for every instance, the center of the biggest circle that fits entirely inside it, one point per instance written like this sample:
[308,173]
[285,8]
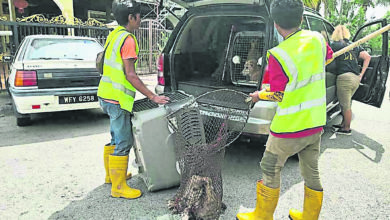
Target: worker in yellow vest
[116,94]
[297,82]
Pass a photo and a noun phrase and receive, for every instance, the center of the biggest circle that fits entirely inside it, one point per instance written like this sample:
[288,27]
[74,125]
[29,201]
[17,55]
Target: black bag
[100,61]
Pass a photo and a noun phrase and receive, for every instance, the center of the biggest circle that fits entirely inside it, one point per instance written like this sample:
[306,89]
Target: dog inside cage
[246,57]
[207,46]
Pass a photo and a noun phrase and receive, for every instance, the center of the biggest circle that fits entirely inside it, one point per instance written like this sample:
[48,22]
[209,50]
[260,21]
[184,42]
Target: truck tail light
[25,78]
[160,70]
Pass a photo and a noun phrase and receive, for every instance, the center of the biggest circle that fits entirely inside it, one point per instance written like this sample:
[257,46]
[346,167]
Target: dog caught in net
[203,129]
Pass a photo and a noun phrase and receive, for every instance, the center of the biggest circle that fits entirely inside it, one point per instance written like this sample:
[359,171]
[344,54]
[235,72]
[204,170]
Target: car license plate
[77,99]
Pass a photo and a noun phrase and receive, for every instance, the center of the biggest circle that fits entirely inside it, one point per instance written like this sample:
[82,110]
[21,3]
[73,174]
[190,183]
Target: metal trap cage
[247,48]
[203,129]
[154,149]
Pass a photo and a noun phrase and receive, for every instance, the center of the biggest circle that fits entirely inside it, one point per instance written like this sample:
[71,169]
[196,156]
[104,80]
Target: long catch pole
[351,46]
[359,42]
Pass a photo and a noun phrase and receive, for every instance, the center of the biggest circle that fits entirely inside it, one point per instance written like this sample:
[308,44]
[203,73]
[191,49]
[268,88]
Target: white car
[53,73]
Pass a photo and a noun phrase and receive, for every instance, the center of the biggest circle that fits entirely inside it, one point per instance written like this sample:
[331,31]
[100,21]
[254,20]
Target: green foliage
[387,16]
[373,46]
[311,3]
[352,13]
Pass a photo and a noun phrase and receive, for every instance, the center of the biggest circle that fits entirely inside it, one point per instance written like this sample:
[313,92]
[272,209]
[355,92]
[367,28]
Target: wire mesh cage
[247,48]
[155,154]
[203,129]
[146,104]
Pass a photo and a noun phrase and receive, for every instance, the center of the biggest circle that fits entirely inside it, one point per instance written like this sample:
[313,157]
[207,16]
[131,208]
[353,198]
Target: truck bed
[198,86]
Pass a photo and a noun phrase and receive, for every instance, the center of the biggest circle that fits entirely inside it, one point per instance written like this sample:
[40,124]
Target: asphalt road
[53,170]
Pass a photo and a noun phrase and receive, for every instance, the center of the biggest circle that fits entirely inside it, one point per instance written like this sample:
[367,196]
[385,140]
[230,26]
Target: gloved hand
[265,94]
[271,96]
[255,95]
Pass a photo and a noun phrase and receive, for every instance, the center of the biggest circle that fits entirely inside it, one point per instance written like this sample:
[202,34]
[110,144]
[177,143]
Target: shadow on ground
[49,126]
[363,144]
[54,126]
[240,172]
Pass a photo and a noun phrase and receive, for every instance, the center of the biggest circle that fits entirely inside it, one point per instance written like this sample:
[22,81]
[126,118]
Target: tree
[352,13]
[329,7]
[311,3]
[346,12]
[374,45]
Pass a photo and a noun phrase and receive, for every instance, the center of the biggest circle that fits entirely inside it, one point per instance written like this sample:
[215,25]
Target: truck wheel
[25,121]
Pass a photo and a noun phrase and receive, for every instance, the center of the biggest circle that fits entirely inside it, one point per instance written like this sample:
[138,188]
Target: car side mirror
[7,58]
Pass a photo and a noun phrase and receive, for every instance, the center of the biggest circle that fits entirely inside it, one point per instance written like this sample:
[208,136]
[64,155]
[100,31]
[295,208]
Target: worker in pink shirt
[296,69]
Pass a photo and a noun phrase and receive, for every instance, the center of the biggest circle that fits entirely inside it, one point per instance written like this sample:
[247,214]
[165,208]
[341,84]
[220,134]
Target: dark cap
[123,8]
[126,5]
[287,13]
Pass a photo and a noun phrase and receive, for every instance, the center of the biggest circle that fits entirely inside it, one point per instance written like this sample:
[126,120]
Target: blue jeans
[120,128]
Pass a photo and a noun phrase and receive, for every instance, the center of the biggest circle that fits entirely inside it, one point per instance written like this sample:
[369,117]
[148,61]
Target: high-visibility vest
[113,84]
[302,57]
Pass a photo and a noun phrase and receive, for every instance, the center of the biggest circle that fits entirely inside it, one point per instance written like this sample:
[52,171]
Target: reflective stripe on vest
[294,84]
[118,86]
[111,61]
[302,106]
[304,103]
[114,84]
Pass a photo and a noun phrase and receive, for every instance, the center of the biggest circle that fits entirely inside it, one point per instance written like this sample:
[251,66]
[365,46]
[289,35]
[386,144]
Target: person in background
[297,83]
[116,92]
[348,74]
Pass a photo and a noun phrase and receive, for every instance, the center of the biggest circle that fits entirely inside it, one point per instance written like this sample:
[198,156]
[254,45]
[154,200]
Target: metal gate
[152,37]
[12,33]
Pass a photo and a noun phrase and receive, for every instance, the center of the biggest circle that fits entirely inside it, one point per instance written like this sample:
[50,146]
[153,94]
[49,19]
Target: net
[203,129]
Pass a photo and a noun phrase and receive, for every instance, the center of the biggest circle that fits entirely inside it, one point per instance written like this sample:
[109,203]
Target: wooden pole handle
[359,42]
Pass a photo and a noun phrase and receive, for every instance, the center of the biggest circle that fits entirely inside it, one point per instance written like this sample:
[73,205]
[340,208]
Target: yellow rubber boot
[108,150]
[267,200]
[311,206]
[117,169]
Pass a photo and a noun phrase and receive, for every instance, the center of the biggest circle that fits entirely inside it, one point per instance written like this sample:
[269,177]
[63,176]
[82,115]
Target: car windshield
[63,49]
